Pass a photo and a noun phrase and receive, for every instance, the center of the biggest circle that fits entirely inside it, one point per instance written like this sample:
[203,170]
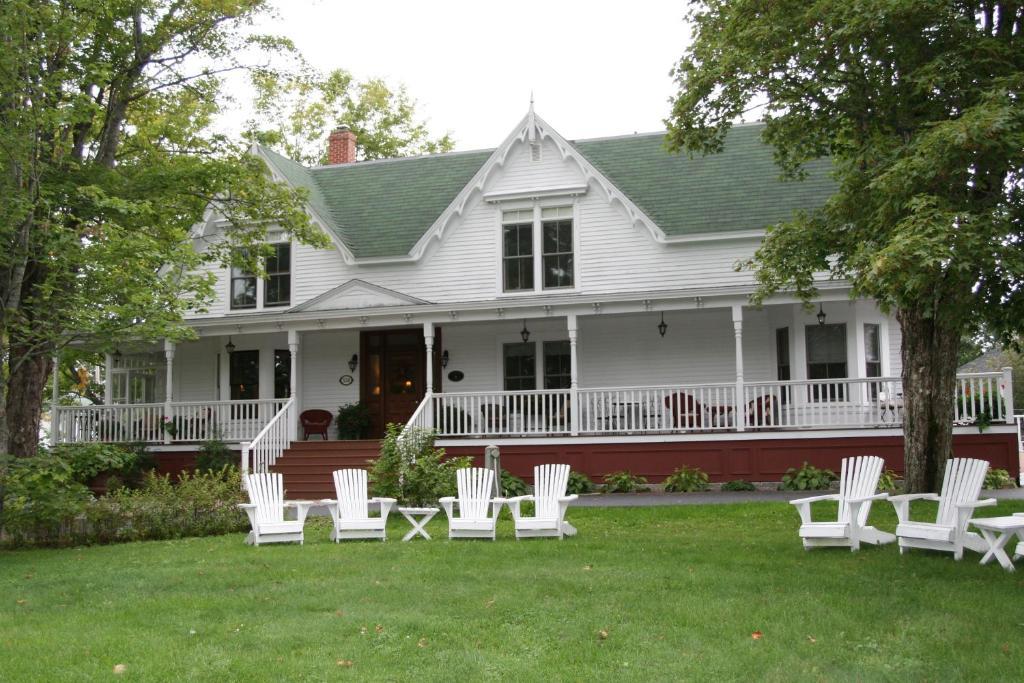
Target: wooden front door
[393,377]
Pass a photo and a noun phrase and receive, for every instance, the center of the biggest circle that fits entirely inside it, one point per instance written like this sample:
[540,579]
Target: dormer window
[546,232]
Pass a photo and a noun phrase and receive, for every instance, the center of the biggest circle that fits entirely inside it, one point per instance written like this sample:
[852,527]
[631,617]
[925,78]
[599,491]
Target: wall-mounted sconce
[117,355]
[662,326]
[821,314]
[353,362]
[525,333]
[444,359]
[229,347]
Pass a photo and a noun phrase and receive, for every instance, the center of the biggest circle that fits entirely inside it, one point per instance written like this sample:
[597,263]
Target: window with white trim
[277,289]
[243,285]
[538,249]
[520,366]
[556,247]
[517,250]
[826,359]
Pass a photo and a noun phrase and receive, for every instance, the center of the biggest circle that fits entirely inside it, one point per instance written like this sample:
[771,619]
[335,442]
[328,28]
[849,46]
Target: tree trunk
[929,351]
[25,402]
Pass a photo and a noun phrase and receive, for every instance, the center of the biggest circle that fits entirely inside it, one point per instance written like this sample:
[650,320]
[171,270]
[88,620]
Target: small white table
[418,517]
[997,532]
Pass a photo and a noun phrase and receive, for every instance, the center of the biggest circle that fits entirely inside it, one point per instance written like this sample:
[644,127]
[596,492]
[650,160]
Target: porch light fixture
[662,326]
[444,359]
[525,333]
[117,355]
[821,314]
[229,347]
[353,362]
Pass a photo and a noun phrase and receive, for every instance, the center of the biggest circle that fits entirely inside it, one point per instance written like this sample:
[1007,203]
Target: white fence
[797,404]
[166,423]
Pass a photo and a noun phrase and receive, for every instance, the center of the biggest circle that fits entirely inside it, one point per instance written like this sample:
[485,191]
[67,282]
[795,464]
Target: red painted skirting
[752,460]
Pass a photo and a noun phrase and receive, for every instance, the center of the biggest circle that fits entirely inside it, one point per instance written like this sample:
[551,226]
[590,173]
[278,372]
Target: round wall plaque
[456,375]
[345,380]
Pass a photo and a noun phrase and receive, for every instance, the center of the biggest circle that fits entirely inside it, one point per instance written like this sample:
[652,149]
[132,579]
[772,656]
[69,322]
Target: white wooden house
[563,299]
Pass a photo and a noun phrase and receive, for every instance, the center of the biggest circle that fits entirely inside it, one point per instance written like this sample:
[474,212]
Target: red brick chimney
[341,146]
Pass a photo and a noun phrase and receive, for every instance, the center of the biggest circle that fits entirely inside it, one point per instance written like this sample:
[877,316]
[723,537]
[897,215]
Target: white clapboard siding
[325,358]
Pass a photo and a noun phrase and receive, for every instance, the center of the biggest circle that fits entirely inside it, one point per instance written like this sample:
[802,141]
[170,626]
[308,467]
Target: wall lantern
[229,347]
[353,362]
[444,359]
[821,315]
[662,326]
[117,355]
[525,334]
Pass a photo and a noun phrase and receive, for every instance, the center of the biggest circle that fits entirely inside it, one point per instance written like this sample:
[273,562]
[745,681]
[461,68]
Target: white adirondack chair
[858,484]
[478,511]
[550,503]
[266,508]
[351,510]
[961,486]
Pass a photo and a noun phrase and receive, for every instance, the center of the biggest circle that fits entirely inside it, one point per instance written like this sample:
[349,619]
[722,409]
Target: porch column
[738,410]
[55,403]
[293,381]
[108,383]
[1008,394]
[169,347]
[574,404]
[428,394]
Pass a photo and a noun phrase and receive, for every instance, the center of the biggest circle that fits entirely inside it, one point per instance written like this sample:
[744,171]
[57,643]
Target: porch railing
[177,422]
[266,447]
[796,404]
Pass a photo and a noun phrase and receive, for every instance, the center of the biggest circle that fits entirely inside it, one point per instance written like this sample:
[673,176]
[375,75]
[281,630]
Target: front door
[393,376]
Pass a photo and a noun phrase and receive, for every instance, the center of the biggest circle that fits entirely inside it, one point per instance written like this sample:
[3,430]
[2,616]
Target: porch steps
[307,465]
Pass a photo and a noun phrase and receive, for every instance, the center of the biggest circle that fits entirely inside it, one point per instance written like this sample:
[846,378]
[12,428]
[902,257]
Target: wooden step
[308,466]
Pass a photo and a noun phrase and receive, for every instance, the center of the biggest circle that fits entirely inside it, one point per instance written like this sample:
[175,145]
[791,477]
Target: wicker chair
[315,422]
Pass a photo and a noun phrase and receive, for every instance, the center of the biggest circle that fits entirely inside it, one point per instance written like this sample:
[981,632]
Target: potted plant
[353,421]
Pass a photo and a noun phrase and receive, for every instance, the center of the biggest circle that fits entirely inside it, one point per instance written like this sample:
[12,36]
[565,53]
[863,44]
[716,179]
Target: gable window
[243,285]
[520,366]
[277,289]
[556,227]
[826,359]
[517,254]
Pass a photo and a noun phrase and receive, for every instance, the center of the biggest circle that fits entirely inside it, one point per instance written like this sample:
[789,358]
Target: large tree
[105,108]
[296,110]
[919,105]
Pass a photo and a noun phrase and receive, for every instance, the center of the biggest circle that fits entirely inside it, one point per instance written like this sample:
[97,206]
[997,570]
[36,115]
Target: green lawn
[663,593]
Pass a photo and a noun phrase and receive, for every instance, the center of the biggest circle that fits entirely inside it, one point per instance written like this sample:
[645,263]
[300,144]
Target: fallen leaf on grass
[422,642]
[120,669]
[345,662]
[602,634]
[378,628]
[1005,648]
[587,567]
[362,630]
[757,635]
[489,603]
[812,639]
[22,602]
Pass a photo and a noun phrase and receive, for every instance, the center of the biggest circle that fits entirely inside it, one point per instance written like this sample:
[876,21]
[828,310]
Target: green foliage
[41,498]
[926,141]
[214,455]
[807,478]
[412,470]
[353,421]
[738,485]
[579,483]
[88,460]
[623,481]
[686,479]
[998,479]
[888,482]
[296,112]
[512,485]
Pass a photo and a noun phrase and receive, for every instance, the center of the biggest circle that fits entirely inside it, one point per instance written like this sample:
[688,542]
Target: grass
[664,593]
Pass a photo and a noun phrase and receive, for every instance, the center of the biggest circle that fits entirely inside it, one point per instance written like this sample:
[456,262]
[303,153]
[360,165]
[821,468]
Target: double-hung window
[243,285]
[826,359]
[520,366]
[537,249]
[277,290]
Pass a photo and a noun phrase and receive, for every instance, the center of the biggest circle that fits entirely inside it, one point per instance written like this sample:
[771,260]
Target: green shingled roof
[382,208]
[737,189]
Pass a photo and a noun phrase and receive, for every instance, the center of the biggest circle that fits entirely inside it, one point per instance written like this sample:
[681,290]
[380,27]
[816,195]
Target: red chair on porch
[315,422]
[763,413]
[686,411]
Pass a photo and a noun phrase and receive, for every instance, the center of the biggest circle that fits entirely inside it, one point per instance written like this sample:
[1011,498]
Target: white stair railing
[262,452]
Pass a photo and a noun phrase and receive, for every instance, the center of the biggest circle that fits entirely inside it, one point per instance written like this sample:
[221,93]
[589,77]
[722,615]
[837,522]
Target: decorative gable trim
[355,287]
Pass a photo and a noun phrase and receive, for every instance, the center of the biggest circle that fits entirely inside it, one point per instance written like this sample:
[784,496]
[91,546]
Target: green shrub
[40,497]
[579,483]
[686,479]
[511,485]
[623,481]
[214,455]
[998,479]
[89,460]
[353,421]
[413,471]
[888,482]
[738,485]
[807,478]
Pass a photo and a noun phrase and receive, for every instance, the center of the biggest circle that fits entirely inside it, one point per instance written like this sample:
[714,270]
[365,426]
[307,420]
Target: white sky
[595,67]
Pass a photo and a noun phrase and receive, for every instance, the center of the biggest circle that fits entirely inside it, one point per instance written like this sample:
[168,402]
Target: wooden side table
[418,517]
[997,532]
